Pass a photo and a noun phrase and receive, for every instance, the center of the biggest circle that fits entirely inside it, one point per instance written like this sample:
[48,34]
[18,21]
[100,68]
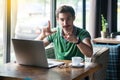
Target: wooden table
[107,40]
[19,72]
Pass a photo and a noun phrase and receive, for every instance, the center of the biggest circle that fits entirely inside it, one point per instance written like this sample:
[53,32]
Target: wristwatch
[78,41]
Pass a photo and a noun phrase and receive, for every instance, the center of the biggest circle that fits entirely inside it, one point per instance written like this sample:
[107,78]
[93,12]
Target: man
[68,39]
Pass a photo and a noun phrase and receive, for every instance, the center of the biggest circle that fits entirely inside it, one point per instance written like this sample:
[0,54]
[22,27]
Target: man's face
[66,21]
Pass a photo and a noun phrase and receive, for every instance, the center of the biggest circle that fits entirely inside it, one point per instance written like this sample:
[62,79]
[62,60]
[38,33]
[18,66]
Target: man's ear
[74,17]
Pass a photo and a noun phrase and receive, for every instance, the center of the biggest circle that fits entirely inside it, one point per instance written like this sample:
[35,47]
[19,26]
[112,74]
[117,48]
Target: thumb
[49,25]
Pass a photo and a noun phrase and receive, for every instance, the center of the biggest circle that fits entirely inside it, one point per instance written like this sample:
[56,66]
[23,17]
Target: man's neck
[66,31]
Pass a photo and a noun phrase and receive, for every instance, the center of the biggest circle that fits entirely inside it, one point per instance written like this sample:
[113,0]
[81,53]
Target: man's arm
[85,47]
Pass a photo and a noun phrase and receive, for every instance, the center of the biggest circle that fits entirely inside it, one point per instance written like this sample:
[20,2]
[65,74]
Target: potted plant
[104,27]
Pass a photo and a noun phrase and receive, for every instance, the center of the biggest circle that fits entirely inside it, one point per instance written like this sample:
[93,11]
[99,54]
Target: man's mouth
[66,26]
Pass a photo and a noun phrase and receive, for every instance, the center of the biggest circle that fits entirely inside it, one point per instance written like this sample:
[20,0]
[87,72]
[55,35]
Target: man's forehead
[64,15]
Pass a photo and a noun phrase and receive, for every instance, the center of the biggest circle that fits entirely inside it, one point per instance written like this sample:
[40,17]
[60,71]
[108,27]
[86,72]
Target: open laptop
[32,53]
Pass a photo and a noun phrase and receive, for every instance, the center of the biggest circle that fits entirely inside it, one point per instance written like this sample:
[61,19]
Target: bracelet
[78,41]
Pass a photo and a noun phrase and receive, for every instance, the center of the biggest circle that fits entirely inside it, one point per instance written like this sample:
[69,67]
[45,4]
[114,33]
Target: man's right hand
[46,31]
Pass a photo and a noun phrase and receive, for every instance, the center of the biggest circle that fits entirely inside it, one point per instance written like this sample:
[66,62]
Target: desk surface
[107,40]
[56,73]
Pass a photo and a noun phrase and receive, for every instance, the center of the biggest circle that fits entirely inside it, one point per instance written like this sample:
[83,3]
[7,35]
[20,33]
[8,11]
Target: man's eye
[62,19]
[69,18]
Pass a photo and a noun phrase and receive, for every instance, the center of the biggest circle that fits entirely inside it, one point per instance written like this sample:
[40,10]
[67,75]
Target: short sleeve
[51,37]
[84,34]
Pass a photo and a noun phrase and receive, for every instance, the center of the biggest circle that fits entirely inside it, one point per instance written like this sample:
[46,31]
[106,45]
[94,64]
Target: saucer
[77,66]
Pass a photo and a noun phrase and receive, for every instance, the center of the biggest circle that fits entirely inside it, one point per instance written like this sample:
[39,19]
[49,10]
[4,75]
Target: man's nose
[65,23]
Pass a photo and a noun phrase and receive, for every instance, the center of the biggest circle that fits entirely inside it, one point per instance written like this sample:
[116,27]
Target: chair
[100,56]
[113,62]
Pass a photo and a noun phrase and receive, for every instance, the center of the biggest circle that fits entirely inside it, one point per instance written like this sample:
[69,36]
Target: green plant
[104,23]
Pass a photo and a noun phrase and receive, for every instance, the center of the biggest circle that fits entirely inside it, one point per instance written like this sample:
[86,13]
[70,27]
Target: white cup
[76,61]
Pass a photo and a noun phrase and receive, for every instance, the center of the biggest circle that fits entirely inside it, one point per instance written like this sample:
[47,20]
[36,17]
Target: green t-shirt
[65,50]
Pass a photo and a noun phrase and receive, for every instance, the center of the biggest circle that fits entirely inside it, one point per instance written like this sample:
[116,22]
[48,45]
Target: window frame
[7,28]
[7,31]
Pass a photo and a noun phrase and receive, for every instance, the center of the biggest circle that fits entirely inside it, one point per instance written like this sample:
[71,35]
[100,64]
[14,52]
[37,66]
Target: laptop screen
[31,52]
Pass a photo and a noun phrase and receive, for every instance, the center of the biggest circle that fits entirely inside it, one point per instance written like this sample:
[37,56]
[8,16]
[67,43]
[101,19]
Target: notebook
[32,53]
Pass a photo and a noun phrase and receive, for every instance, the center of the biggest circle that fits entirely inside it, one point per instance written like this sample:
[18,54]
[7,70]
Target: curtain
[109,10]
[92,19]
[112,15]
[101,9]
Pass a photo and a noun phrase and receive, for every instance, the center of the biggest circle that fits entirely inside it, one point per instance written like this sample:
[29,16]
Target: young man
[68,39]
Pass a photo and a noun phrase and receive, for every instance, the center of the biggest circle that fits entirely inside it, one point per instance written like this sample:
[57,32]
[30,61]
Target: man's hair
[65,9]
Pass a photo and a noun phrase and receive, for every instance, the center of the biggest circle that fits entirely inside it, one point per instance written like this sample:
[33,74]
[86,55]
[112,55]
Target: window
[2,6]
[28,16]
[78,7]
[118,16]
[31,15]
